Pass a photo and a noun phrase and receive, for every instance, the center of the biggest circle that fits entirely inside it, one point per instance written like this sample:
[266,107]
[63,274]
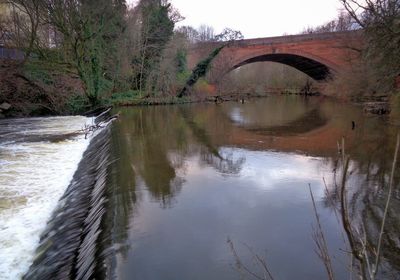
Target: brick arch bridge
[317,55]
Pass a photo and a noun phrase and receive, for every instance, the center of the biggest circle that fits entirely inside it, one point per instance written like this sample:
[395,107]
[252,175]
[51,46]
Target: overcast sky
[257,18]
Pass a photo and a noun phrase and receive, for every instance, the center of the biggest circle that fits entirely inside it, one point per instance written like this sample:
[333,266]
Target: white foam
[33,178]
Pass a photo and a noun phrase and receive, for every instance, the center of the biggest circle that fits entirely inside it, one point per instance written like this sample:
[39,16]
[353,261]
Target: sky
[257,18]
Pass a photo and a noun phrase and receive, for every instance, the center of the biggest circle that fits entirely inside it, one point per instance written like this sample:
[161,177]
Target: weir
[68,246]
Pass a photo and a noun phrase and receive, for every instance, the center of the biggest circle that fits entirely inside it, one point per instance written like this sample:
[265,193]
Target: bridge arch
[320,56]
[316,68]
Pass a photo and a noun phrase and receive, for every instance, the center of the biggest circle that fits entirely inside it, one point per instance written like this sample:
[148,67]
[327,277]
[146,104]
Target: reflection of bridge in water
[314,128]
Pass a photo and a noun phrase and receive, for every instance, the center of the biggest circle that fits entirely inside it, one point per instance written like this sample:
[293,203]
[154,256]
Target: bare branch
[320,241]
[378,251]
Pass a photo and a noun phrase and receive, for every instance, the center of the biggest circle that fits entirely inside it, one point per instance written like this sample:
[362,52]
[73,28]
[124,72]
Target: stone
[5,106]
[398,82]
[378,108]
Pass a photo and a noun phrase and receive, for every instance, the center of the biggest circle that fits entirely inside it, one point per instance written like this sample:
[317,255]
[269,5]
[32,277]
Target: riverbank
[169,100]
[38,89]
[42,89]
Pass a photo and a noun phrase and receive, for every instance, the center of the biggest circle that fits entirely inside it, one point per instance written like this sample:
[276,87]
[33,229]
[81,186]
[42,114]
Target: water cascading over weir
[69,246]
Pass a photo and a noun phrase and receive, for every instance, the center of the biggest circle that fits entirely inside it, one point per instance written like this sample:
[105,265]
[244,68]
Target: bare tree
[26,18]
[380,20]
[191,34]
[206,33]
[229,34]
[344,22]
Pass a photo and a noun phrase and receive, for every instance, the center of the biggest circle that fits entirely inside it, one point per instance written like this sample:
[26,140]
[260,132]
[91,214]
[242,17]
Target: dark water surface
[185,179]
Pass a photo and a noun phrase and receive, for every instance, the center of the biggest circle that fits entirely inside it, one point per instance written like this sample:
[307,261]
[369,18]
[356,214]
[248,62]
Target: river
[200,191]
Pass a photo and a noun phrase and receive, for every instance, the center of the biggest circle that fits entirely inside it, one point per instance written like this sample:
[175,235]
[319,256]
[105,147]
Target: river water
[192,191]
[188,178]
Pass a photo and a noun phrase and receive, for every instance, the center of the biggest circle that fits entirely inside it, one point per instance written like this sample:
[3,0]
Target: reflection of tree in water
[157,132]
[199,133]
[210,154]
[225,163]
[367,194]
[372,218]
[368,202]
[138,155]
[122,198]
[370,194]
[156,141]
[159,174]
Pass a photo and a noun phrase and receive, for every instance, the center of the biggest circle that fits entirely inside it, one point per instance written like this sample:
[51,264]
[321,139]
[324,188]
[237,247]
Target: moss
[182,77]
[200,71]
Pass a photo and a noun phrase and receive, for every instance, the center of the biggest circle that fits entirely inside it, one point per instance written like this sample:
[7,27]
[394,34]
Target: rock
[398,82]
[5,203]
[5,106]
[379,108]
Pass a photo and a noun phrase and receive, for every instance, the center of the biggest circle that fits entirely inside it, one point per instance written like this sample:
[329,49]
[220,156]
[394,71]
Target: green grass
[132,98]
[124,97]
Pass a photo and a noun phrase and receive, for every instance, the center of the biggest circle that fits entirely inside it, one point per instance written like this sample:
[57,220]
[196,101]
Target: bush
[124,97]
[38,72]
[77,104]
[202,86]
[182,77]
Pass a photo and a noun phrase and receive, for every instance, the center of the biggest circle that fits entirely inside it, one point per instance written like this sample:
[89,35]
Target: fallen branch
[88,129]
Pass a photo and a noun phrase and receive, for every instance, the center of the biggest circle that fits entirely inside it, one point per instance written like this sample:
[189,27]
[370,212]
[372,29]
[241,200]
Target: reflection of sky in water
[266,169]
[236,116]
[267,206]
